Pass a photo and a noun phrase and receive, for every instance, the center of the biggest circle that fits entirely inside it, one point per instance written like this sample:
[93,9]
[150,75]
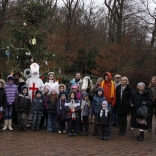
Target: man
[117,80]
[34,83]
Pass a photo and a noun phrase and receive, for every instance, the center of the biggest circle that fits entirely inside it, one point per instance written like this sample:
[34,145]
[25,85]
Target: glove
[143,103]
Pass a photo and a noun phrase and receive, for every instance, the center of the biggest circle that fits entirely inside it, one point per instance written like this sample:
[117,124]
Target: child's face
[106,77]
[86,98]
[61,89]
[98,82]
[38,95]
[74,90]
[1,85]
[99,93]
[72,96]
[46,90]
[10,81]
[25,91]
[63,97]
[51,77]
[53,92]
[104,106]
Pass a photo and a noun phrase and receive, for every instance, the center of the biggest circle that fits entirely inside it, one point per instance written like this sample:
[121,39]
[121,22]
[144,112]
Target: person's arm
[46,103]
[16,102]
[4,99]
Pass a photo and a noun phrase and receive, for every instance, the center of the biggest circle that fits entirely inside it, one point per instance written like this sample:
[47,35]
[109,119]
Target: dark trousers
[61,125]
[73,125]
[95,122]
[114,116]
[151,110]
[103,130]
[43,118]
[21,119]
[36,120]
[122,122]
[84,124]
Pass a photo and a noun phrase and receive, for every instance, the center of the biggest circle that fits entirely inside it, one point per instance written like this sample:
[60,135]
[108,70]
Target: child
[37,111]
[61,114]
[72,107]
[50,104]
[44,97]
[96,107]
[75,88]
[11,91]
[22,107]
[85,113]
[2,99]
[104,119]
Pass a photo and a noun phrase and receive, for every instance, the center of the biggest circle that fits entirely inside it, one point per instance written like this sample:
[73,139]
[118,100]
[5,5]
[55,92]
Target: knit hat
[53,90]
[75,87]
[38,91]
[105,102]
[63,94]
[24,87]
[86,94]
[72,82]
[47,87]
[10,77]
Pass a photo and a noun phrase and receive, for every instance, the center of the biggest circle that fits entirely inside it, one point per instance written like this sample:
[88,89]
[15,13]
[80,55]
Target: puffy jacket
[61,113]
[86,108]
[23,103]
[37,106]
[104,120]
[50,105]
[97,102]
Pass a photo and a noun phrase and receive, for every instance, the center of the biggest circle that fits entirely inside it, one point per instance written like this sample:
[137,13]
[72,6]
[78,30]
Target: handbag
[142,112]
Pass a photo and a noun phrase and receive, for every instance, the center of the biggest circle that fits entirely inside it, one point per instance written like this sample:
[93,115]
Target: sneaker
[59,132]
[74,134]
[64,132]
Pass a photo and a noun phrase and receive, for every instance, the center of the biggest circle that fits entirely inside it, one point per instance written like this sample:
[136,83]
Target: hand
[132,105]
[97,123]
[143,103]
[73,110]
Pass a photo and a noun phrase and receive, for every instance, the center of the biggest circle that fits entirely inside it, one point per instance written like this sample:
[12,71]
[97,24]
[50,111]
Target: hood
[99,89]
[76,86]
[23,87]
[61,95]
[62,85]
[109,75]
[3,82]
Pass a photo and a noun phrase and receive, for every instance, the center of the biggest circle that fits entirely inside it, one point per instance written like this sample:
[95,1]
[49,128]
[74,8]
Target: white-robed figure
[34,83]
[52,82]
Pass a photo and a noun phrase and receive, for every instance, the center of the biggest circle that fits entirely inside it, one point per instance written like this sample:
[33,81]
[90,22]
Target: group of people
[68,110]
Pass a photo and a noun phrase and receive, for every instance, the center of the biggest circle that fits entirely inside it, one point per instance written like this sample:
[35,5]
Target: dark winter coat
[122,105]
[97,102]
[104,120]
[44,97]
[136,100]
[2,97]
[51,105]
[37,106]
[69,111]
[61,112]
[23,103]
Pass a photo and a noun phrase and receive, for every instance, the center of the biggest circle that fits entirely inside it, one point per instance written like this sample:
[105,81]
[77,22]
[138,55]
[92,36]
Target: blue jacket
[37,106]
[97,102]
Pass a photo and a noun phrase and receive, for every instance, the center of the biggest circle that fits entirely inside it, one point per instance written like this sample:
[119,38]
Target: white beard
[35,78]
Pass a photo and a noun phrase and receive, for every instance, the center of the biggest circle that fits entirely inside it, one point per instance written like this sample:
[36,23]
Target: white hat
[105,102]
[34,68]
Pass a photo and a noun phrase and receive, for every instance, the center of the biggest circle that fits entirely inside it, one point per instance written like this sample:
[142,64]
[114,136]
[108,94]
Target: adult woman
[152,86]
[123,94]
[52,82]
[141,97]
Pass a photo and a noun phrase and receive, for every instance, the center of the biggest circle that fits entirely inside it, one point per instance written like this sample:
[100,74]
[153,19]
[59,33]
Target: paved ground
[52,144]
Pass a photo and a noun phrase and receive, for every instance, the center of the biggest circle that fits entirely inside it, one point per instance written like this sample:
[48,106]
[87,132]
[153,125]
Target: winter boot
[120,132]
[5,125]
[94,133]
[19,128]
[141,138]
[10,125]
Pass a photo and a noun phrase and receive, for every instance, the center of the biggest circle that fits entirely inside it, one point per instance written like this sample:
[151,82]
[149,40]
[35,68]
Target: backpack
[142,112]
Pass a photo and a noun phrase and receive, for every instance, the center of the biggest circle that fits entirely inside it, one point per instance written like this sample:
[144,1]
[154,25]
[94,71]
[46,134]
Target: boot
[10,125]
[120,132]
[5,125]
[123,132]
[94,133]
[141,137]
[20,128]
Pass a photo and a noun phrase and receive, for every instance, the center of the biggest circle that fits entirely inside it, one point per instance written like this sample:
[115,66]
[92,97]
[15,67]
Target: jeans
[21,119]
[8,112]
[51,123]
[36,120]
[84,124]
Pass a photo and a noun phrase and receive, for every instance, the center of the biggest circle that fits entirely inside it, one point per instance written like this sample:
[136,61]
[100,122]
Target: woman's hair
[53,97]
[100,79]
[140,84]
[124,77]
[150,84]
[71,93]
[51,73]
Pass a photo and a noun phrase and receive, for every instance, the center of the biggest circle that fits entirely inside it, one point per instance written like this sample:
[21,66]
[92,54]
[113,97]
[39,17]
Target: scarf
[112,88]
[72,107]
[122,89]
[106,112]
[60,105]
[84,103]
